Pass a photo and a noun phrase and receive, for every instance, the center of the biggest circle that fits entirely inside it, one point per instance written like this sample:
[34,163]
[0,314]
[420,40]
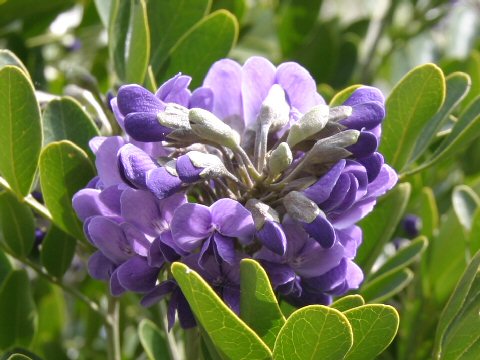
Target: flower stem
[172,344]
[113,329]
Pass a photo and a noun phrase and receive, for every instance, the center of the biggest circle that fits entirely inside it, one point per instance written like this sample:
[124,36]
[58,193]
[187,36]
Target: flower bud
[279,159]
[207,126]
[196,165]
[308,125]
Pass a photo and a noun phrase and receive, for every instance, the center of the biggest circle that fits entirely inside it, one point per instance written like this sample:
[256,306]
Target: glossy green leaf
[153,341]
[227,331]
[129,40]
[296,20]
[169,20]
[17,225]
[428,213]
[465,202]
[457,87]
[348,302]
[386,285]
[207,41]
[412,103]
[473,238]
[17,311]
[403,257]
[57,253]
[343,95]
[64,169]
[9,58]
[465,130]
[457,302]
[64,119]
[378,226]
[314,332]
[20,130]
[258,304]
[374,327]
[104,9]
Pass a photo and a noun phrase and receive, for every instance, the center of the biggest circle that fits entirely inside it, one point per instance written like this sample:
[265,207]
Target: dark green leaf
[5,267]
[227,331]
[258,304]
[465,202]
[153,341]
[64,119]
[15,10]
[207,41]
[385,286]
[9,58]
[296,20]
[457,87]
[378,226]
[64,169]
[348,302]
[473,238]
[17,225]
[457,301]
[374,327]
[169,20]
[314,332]
[58,249]
[20,130]
[404,257]
[412,103]
[19,357]
[17,311]
[428,213]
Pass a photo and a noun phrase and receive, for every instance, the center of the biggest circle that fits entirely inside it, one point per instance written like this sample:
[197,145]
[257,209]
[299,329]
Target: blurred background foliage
[74,48]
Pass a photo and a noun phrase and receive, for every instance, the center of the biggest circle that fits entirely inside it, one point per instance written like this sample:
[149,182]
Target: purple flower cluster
[269,170]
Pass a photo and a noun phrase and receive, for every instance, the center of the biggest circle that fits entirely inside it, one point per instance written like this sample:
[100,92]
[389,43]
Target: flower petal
[366,115]
[225,247]
[321,230]
[365,94]
[321,190]
[187,172]
[202,98]
[110,239]
[191,224]
[143,126]
[161,183]
[366,145]
[232,219]
[100,267]
[116,289]
[136,275]
[158,293]
[134,164]
[91,202]
[135,98]
[175,90]
[315,260]
[106,161]
[271,236]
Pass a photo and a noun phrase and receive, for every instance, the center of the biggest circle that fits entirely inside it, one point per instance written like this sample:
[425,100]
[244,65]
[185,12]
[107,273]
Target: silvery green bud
[308,125]
[207,126]
[279,159]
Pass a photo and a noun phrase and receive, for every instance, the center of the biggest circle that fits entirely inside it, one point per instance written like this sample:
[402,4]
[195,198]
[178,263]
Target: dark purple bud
[145,127]
[321,190]
[366,145]
[365,116]
[162,183]
[187,172]
[136,99]
[271,235]
[412,225]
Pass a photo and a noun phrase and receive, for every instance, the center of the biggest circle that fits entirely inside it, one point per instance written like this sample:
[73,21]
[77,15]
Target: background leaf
[374,327]
[57,253]
[314,332]
[64,169]
[348,302]
[64,119]
[17,225]
[9,58]
[413,101]
[258,304]
[227,331]
[20,130]
[207,41]
[17,311]
[386,285]
[465,202]
[153,341]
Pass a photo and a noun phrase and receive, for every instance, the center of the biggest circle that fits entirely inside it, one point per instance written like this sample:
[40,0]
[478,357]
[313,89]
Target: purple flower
[213,228]
[412,225]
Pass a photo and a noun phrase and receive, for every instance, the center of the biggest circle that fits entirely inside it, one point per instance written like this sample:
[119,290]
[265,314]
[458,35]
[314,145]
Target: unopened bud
[279,159]
[308,125]
[207,126]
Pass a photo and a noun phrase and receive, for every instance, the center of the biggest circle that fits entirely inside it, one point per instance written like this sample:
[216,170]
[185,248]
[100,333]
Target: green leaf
[428,213]
[153,341]
[19,357]
[465,202]
[64,119]
[374,327]
[403,257]
[462,339]
[129,40]
[386,285]
[14,10]
[296,20]
[227,331]
[20,130]
[465,130]
[17,311]
[169,20]
[314,332]
[17,225]
[413,101]
[258,304]
[57,253]
[457,87]
[104,10]
[5,267]
[9,58]
[207,41]
[348,302]
[457,301]
[379,225]
[343,95]
[473,238]
[64,169]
